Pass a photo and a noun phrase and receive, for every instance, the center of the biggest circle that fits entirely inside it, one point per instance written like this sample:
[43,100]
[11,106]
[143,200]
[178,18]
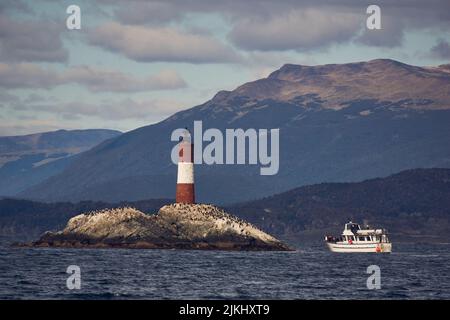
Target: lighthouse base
[185,193]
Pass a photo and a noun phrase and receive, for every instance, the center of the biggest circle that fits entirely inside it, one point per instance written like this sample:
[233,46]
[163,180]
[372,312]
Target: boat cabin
[354,234]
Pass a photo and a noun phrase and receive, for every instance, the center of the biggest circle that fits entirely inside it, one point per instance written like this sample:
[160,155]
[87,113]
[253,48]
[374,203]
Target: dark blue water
[411,271]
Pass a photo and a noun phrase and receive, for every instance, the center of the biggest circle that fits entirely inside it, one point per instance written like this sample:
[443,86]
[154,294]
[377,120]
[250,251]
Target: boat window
[362,239]
[354,227]
[367,238]
[352,238]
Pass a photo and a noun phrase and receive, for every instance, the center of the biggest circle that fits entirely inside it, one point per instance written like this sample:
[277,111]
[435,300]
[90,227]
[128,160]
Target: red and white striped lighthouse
[185,179]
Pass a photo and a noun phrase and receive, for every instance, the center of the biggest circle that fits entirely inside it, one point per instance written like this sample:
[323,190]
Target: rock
[176,226]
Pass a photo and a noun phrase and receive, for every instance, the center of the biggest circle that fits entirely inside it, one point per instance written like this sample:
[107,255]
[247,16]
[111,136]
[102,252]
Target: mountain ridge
[414,205]
[29,159]
[346,131]
[330,82]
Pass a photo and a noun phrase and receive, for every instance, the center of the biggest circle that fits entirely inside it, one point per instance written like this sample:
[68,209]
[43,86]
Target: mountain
[337,123]
[30,159]
[412,205]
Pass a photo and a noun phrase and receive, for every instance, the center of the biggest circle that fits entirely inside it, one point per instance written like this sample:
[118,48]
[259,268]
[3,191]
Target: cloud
[390,35]
[151,12]
[150,31]
[107,109]
[301,25]
[148,44]
[33,97]
[27,41]
[6,97]
[27,75]
[37,114]
[296,30]
[441,50]
[106,80]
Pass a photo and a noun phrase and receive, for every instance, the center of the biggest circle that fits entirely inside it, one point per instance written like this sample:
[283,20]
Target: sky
[136,62]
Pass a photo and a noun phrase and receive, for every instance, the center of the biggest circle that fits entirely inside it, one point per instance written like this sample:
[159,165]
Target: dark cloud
[299,30]
[390,35]
[27,41]
[296,24]
[441,50]
[28,75]
[304,26]
[146,30]
[151,12]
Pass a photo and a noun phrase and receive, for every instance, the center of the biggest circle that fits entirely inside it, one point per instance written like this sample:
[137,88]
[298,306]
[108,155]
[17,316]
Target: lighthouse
[185,178]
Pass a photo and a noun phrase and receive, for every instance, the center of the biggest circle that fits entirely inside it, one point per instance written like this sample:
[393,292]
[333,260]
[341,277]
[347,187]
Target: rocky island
[175,226]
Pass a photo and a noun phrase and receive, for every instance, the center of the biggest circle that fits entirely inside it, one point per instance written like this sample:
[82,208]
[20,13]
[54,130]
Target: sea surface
[412,271]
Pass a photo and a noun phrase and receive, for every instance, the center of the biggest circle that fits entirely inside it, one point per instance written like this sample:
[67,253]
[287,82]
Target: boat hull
[354,247]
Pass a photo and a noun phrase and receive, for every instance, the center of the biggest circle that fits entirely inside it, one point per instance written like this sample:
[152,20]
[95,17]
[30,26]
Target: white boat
[355,239]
